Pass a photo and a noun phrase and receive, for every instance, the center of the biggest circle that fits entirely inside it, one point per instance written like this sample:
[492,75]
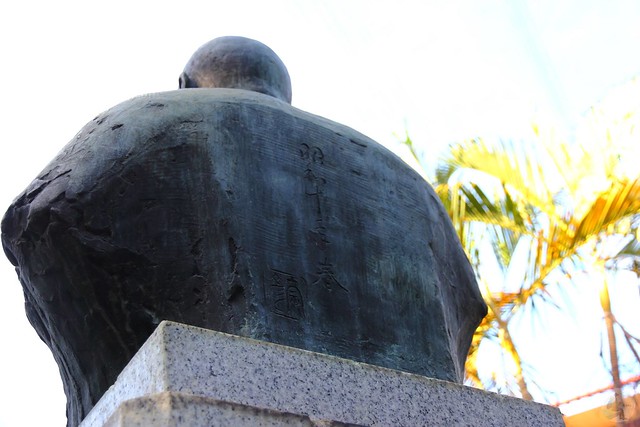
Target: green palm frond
[631,249]
[629,256]
[444,170]
[470,202]
[504,241]
[408,142]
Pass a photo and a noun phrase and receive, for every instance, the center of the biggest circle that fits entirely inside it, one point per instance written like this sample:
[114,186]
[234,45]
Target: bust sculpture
[222,206]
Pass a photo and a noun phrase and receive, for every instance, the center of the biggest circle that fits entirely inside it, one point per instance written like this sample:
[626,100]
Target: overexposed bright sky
[442,71]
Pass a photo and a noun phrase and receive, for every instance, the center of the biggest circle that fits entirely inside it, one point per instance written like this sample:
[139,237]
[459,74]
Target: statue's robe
[234,211]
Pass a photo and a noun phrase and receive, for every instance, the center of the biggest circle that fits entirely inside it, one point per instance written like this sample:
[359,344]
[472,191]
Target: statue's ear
[184,81]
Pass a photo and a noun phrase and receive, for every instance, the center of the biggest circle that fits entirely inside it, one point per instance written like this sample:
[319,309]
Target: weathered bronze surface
[232,210]
[237,63]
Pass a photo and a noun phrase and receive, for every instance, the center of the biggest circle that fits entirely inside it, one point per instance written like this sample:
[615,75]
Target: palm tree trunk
[507,344]
[609,321]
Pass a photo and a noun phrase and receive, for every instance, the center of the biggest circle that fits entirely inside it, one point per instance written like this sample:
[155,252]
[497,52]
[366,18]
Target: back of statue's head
[237,63]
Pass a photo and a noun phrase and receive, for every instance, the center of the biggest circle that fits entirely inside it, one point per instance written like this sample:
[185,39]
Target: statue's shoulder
[206,105]
[218,110]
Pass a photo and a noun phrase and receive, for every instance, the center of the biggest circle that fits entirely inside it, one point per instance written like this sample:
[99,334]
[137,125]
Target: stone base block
[170,409]
[188,376]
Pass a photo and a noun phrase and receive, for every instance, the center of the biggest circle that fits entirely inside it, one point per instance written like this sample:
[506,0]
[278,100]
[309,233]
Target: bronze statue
[224,207]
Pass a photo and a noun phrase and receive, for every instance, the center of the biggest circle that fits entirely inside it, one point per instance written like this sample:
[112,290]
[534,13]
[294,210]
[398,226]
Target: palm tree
[565,208]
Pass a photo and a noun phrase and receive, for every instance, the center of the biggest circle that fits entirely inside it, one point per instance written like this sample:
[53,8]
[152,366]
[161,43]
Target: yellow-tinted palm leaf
[518,168]
[620,201]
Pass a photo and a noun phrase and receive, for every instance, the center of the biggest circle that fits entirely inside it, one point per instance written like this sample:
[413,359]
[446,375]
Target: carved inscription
[314,188]
[326,276]
[286,295]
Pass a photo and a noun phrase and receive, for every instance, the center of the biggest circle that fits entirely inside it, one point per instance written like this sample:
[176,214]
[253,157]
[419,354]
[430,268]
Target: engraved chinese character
[319,235]
[327,277]
[287,298]
[315,183]
[311,154]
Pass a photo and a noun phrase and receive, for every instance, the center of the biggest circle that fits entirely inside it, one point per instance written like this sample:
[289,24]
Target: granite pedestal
[188,376]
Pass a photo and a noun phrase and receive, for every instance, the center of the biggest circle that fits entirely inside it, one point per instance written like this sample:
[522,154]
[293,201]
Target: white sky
[443,71]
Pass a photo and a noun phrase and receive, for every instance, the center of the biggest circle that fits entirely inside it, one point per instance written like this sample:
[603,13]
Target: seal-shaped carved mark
[286,297]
